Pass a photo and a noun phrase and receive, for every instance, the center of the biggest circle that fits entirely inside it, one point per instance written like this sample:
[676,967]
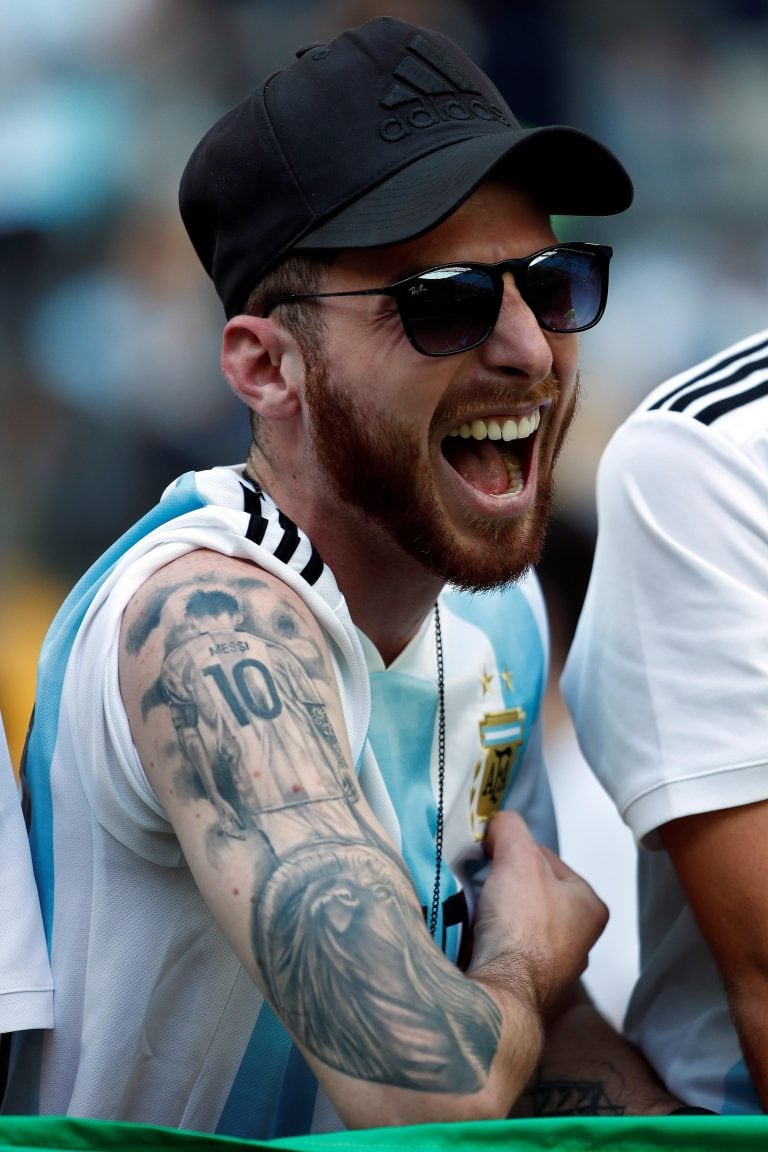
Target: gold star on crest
[485,682]
[508,679]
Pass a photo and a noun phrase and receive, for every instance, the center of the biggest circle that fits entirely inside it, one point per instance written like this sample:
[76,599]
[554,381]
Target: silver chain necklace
[440,771]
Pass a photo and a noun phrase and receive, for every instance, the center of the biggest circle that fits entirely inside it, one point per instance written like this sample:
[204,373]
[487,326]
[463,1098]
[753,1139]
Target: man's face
[389,425]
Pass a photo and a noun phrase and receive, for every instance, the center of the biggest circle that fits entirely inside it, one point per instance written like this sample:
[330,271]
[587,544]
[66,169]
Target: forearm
[498,1076]
[721,859]
[588,1069]
[748,1001]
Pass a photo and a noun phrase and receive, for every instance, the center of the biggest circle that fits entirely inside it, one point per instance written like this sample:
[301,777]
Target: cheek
[376,360]
[566,350]
[566,371]
[566,412]
[364,336]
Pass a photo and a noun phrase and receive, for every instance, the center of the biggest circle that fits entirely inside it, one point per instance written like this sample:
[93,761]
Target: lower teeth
[515,474]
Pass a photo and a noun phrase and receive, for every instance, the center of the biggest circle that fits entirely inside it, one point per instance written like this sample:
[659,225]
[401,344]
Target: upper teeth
[493,429]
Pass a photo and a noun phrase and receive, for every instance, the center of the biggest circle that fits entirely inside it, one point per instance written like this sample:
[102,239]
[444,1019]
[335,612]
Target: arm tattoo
[341,933]
[559,1096]
[336,926]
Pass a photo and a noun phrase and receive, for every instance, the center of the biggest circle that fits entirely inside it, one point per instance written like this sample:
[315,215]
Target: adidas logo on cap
[426,88]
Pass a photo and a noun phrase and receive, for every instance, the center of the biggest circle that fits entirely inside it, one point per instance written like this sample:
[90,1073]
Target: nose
[518,343]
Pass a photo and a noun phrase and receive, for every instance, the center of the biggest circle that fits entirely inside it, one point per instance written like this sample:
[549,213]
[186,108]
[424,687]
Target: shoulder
[721,401]
[692,432]
[204,586]
[708,392]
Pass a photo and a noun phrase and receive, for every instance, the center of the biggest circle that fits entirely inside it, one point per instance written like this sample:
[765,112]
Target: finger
[505,828]
[562,870]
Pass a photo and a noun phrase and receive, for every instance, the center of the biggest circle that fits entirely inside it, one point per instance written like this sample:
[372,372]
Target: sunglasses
[455,307]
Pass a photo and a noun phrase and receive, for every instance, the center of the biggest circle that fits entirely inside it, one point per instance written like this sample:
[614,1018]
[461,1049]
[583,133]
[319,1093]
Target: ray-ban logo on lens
[428,88]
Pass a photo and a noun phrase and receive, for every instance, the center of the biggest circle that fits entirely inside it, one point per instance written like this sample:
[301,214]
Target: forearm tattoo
[561,1096]
[336,927]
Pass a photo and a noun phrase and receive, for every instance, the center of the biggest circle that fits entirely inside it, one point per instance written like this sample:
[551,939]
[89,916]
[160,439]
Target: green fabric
[583,1134]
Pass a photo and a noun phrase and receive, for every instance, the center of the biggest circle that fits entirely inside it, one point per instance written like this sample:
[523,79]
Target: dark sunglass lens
[448,309]
[564,289]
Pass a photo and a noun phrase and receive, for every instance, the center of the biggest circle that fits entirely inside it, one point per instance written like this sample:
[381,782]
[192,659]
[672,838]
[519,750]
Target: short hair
[211,602]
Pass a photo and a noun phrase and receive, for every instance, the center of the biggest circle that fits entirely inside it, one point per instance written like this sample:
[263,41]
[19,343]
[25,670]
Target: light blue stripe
[27,1047]
[516,648]
[739,1096]
[501,735]
[403,712]
[51,671]
[274,1098]
[297,1097]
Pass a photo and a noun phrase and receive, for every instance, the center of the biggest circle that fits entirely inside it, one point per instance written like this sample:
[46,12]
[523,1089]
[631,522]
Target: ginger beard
[376,464]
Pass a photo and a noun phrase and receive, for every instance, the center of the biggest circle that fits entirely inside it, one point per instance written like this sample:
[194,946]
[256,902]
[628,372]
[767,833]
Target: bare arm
[588,1069]
[235,713]
[722,861]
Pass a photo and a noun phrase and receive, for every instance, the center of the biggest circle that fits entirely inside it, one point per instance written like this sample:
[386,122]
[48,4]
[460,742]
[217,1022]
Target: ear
[263,365]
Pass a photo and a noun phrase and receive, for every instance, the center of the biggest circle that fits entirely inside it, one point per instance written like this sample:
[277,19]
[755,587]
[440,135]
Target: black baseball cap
[371,139]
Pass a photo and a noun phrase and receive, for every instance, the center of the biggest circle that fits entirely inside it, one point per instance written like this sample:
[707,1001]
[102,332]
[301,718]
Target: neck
[387,592]
[387,606]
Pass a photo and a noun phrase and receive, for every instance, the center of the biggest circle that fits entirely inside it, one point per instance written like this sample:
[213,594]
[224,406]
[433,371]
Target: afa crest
[502,735]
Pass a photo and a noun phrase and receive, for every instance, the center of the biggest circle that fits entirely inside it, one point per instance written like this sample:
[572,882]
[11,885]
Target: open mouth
[493,455]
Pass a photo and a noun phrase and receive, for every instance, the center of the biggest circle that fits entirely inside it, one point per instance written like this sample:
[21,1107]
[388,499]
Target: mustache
[499,395]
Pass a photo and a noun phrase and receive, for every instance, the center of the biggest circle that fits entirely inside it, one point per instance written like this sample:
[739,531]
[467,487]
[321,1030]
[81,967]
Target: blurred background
[109,329]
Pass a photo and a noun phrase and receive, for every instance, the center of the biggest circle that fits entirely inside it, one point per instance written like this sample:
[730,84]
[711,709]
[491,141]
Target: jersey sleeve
[667,678]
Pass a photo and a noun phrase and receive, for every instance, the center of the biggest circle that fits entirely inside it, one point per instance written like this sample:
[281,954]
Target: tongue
[481,465]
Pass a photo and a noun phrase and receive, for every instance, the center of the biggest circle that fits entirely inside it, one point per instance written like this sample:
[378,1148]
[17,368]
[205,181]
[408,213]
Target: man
[667,681]
[277,764]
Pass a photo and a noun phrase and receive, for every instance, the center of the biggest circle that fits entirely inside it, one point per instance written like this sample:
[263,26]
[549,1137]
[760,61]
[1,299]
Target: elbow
[493,1095]
[403,1110]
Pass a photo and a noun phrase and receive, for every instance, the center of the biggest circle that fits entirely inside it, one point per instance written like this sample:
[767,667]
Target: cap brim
[565,170]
